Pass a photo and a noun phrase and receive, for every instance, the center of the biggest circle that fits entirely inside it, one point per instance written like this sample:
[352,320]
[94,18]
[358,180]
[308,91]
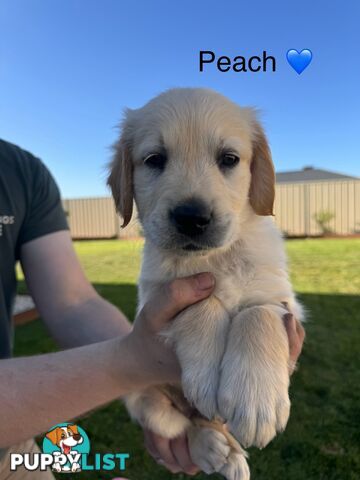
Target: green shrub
[323,218]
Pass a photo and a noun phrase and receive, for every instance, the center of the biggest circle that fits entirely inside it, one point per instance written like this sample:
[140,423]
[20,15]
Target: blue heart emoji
[299,61]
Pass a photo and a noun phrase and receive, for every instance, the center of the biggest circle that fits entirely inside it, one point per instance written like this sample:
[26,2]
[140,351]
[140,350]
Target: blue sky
[69,67]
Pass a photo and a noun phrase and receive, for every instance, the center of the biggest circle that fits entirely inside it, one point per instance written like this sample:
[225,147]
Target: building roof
[310,174]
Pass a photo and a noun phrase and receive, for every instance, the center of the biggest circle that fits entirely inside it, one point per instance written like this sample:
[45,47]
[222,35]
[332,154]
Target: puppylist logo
[66,449]
[66,443]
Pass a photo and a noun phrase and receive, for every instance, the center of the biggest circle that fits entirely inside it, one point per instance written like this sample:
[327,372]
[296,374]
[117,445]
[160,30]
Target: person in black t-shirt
[106,358]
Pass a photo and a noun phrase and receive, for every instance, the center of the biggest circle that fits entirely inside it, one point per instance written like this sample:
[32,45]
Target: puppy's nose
[77,436]
[191,218]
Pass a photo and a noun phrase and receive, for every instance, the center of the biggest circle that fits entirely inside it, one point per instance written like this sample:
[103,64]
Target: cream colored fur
[232,347]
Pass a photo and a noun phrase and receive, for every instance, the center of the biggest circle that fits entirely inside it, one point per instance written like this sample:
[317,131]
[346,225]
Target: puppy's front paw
[254,408]
[199,383]
[199,336]
[253,391]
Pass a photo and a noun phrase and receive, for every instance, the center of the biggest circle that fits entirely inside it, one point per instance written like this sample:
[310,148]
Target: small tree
[323,218]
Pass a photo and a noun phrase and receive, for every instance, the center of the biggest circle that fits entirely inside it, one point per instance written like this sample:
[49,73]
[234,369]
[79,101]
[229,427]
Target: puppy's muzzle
[191,218]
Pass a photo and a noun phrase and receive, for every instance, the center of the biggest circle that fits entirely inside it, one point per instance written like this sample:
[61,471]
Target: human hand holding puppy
[156,362]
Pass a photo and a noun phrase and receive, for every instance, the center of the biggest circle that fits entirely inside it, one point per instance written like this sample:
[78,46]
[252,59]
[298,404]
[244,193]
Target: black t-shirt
[30,207]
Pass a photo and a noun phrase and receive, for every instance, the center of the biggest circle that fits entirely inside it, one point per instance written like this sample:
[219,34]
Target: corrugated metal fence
[97,218]
[296,204]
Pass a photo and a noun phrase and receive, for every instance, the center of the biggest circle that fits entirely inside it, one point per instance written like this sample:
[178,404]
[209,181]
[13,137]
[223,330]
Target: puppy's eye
[228,160]
[156,161]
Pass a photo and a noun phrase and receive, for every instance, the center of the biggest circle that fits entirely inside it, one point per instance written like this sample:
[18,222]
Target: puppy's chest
[232,283]
[234,278]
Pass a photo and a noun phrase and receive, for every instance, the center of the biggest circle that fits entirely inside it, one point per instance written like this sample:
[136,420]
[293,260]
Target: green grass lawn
[322,439]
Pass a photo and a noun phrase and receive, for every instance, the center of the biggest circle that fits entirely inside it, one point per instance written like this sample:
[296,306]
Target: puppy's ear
[73,428]
[120,180]
[53,435]
[262,187]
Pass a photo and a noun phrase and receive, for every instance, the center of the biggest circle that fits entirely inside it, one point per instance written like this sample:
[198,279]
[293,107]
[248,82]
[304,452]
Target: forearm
[70,307]
[40,391]
[90,321]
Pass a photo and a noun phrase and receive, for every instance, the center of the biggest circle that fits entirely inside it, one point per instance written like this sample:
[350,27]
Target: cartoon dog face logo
[66,438]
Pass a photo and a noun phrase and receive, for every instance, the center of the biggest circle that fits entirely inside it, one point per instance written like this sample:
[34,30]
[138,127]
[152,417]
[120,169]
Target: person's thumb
[175,296]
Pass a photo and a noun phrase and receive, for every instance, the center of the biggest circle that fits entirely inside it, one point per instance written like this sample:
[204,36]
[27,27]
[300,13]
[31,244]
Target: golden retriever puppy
[200,171]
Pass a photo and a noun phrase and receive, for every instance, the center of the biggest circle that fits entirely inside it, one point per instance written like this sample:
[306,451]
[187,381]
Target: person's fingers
[294,341]
[294,328]
[180,450]
[290,326]
[173,297]
[296,335]
[286,306]
[300,331]
[150,444]
[166,457]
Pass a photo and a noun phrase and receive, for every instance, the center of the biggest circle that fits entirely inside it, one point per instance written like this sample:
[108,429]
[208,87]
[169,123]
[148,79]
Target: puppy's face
[197,166]
[65,437]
